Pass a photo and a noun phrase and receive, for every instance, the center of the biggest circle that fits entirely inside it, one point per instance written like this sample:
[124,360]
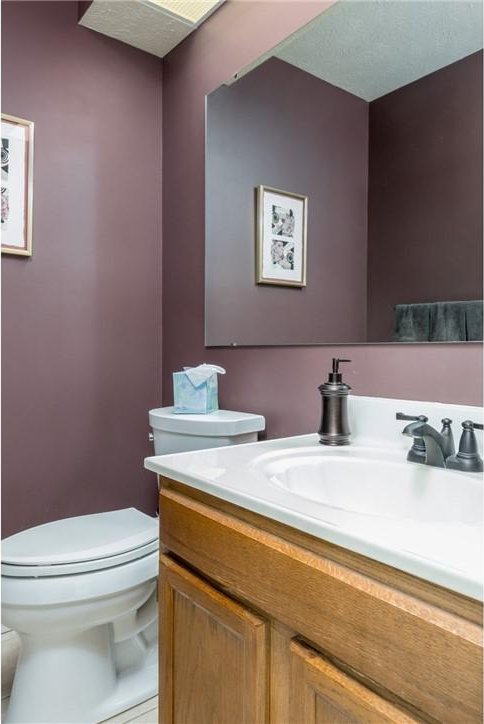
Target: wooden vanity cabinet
[213,655]
[321,693]
[260,623]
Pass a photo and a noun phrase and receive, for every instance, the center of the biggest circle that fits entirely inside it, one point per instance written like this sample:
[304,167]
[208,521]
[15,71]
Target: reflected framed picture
[281,237]
[17,185]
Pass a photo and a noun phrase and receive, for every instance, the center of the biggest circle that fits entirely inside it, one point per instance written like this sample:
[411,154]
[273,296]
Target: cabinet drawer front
[322,693]
[425,656]
[213,660]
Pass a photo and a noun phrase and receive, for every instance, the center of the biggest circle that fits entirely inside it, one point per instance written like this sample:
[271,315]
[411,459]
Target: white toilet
[173,433]
[81,593]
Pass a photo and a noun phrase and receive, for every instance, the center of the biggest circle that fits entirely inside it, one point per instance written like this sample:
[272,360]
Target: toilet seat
[64,569]
[80,545]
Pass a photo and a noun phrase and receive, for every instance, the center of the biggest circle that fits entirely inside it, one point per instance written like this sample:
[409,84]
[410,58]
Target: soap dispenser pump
[335,429]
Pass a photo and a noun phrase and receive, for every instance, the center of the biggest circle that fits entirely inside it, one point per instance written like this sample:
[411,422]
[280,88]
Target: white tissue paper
[199,375]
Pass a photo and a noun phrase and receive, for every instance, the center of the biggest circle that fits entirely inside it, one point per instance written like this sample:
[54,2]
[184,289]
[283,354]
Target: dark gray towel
[474,314]
[412,322]
[439,322]
[448,322]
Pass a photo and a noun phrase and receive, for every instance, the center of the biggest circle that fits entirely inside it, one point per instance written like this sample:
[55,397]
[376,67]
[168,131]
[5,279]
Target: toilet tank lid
[83,538]
[220,423]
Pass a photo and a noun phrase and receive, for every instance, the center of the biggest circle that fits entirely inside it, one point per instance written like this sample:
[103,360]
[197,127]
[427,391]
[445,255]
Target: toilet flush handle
[151,437]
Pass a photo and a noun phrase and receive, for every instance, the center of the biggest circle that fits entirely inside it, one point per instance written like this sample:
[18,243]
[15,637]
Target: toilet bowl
[81,593]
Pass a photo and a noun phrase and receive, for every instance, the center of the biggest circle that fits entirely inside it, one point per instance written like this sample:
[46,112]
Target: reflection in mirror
[374,112]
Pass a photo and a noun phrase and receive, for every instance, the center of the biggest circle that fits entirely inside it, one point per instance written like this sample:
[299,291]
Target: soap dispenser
[335,429]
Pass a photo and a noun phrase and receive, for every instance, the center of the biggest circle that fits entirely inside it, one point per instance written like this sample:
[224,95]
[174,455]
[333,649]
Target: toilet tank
[174,433]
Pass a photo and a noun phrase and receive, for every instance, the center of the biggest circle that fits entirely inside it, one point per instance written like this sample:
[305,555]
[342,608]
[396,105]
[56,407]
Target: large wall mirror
[373,112]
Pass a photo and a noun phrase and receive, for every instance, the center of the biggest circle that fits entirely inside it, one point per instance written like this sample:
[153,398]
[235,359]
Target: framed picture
[281,237]
[17,185]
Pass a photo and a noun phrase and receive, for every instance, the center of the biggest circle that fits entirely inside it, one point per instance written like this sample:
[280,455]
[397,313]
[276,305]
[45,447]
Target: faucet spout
[435,443]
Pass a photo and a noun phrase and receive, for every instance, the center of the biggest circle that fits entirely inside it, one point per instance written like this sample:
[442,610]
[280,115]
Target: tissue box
[190,399]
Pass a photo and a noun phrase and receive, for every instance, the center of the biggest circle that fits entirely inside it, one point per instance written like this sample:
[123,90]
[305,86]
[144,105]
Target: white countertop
[446,553]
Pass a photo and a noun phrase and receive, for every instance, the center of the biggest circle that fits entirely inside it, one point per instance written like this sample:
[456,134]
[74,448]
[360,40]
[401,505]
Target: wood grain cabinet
[321,693]
[263,624]
[213,663]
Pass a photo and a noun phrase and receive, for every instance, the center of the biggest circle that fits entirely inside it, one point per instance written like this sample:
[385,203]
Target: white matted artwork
[17,183]
[281,237]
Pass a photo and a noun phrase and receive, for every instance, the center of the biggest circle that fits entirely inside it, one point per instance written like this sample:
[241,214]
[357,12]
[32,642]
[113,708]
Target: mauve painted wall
[81,319]
[279,126]
[277,382]
[425,193]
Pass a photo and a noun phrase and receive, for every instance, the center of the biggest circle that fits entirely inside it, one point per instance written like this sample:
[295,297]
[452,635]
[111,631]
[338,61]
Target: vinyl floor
[145,713]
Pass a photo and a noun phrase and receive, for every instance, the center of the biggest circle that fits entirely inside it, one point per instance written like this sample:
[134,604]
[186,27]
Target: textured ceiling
[372,48]
[144,25]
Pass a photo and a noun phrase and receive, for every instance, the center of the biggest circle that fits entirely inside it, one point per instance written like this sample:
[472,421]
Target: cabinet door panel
[427,655]
[323,694]
[213,660]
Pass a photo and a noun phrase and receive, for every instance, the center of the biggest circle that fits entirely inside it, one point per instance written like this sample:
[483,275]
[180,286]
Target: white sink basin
[359,481]
[364,497]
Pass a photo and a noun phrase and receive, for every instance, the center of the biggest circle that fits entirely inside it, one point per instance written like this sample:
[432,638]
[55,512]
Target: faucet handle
[418,451]
[415,418]
[475,425]
[468,458]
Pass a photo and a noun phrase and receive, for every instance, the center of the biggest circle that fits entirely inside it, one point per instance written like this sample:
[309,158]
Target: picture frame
[281,237]
[17,185]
